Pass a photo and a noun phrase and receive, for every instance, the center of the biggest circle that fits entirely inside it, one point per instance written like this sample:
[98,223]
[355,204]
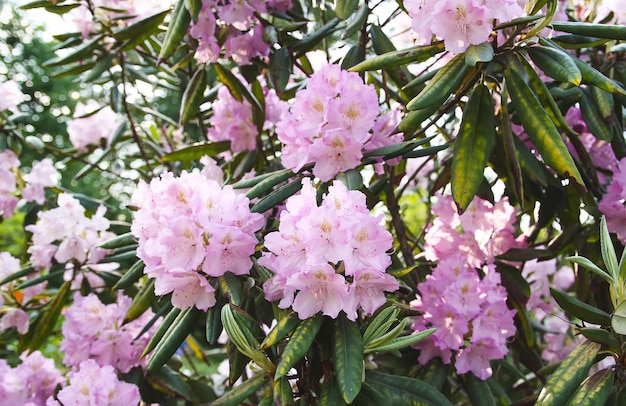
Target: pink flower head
[330,257]
[42,175]
[612,203]
[190,228]
[331,123]
[10,96]
[89,128]
[31,382]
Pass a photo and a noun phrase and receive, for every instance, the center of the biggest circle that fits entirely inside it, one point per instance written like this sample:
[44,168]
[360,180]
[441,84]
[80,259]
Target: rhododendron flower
[83,390]
[31,382]
[330,257]
[95,331]
[464,309]
[89,128]
[43,174]
[77,236]
[332,122]
[10,96]
[189,228]
[460,23]
[8,164]
[612,203]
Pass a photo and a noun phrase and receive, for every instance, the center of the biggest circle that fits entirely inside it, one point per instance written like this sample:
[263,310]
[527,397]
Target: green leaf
[347,348]
[298,344]
[345,8]
[214,325]
[279,69]
[237,395]
[396,58]
[594,77]
[595,390]
[267,183]
[172,339]
[541,129]
[618,318]
[608,252]
[582,261]
[596,124]
[161,330]
[142,301]
[27,270]
[442,85]
[472,147]
[608,31]
[478,391]
[283,394]
[231,287]
[44,324]
[330,395]
[401,342]
[479,53]
[352,179]
[197,151]
[556,63]
[240,335]
[178,26]
[193,95]
[119,241]
[81,52]
[579,309]
[135,34]
[131,276]
[568,376]
[277,196]
[601,336]
[240,91]
[313,39]
[401,390]
[170,381]
[379,324]
[283,327]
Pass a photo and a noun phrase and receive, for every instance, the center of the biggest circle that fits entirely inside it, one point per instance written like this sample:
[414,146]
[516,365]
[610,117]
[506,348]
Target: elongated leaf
[591,266]
[608,31]
[311,40]
[27,270]
[541,129]
[478,391]
[214,325]
[355,24]
[178,26]
[119,241]
[397,58]
[472,147]
[330,395]
[197,151]
[193,95]
[597,125]
[280,69]
[608,252]
[442,85]
[618,318]
[568,376]
[283,394]
[601,336]
[594,77]
[579,309]
[265,185]
[402,342]
[142,301]
[131,276]
[44,325]
[81,52]
[237,395]
[170,381]
[345,8]
[379,324]
[298,344]
[172,339]
[283,327]
[347,349]
[277,197]
[401,390]
[161,330]
[595,390]
[556,63]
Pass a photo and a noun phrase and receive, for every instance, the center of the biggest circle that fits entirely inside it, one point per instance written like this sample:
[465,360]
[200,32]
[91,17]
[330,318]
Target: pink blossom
[612,203]
[8,164]
[89,128]
[190,228]
[315,244]
[109,391]
[17,318]
[43,174]
[31,382]
[331,123]
[232,120]
[10,96]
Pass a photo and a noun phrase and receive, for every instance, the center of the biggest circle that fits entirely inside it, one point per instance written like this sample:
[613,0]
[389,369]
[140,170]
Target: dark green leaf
[347,350]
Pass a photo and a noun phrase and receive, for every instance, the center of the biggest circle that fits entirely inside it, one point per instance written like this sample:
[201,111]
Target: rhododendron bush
[317,202]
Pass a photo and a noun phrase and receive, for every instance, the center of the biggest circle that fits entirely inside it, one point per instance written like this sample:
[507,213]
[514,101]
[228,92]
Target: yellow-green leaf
[178,26]
[472,147]
[397,58]
[193,95]
[556,63]
[541,129]
[298,344]
[595,390]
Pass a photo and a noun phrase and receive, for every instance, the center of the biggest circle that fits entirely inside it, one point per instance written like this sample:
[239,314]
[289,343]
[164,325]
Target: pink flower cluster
[93,330]
[89,128]
[232,120]
[188,228]
[236,25]
[328,258]
[460,23]
[12,312]
[31,382]
[332,122]
[67,235]
[469,313]
[10,96]
[43,174]
[612,203]
[96,385]
[8,167]
[482,232]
